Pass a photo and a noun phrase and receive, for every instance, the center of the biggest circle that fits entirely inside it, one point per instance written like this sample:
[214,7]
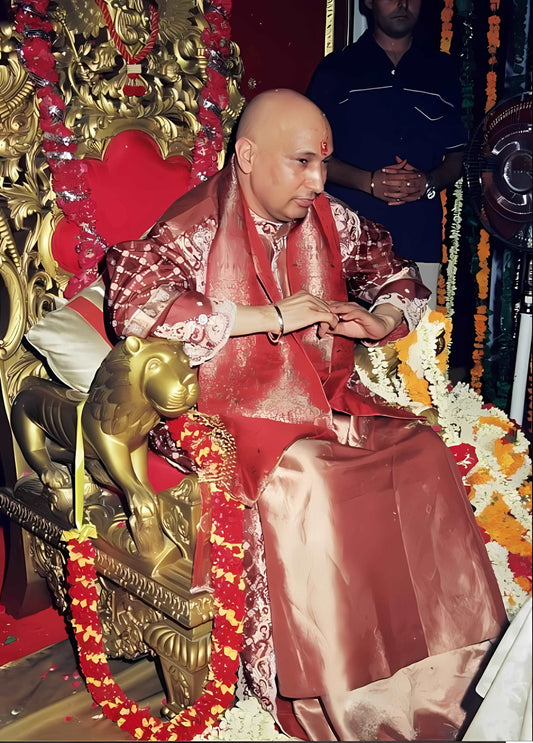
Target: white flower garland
[246,721]
[464,418]
[453,251]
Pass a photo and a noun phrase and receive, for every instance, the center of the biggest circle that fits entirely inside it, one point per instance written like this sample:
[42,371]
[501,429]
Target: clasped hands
[349,319]
[399,183]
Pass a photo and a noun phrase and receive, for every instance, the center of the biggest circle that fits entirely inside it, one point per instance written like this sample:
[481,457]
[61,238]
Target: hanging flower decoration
[481,314]
[133,61]
[59,142]
[483,247]
[69,174]
[442,284]
[453,251]
[214,452]
[214,97]
[446,18]
[492,452]
[493,38]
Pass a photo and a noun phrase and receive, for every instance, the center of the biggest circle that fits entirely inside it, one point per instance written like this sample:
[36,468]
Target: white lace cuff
[205,335]
[412,309]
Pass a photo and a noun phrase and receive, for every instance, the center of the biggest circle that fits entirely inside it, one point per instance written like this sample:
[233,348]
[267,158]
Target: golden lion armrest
[145,543]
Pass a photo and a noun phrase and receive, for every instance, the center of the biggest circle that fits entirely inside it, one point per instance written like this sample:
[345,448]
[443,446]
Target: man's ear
[245,151]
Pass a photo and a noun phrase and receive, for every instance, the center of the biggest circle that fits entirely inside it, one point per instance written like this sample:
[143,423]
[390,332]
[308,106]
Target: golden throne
[137,151]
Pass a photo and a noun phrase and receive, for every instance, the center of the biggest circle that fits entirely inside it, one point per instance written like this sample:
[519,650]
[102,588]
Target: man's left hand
[403,183]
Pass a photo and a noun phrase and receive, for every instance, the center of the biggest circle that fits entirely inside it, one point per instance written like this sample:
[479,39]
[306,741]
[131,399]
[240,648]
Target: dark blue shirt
[378,111]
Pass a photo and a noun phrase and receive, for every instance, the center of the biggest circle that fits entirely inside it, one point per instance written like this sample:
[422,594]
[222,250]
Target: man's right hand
[399,183]
[300,310]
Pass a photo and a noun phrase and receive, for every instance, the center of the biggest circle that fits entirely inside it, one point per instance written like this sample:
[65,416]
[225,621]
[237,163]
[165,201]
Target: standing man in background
[394,108]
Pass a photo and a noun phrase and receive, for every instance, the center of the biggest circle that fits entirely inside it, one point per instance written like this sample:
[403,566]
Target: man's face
[289,170]
[395,18]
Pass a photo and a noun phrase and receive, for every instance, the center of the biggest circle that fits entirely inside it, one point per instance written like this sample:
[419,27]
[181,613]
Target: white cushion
[72,338]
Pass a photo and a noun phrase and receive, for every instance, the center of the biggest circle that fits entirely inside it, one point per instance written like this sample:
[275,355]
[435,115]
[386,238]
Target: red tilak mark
[324,147]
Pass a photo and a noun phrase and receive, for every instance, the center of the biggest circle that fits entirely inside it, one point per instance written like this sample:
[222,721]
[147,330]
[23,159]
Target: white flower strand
[453,251]
[246,721]
[461,413]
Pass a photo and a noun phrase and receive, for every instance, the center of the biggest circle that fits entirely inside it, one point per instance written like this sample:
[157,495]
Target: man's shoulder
[344,216]
[347,216]
[340,58]
[434,60]
[194,206]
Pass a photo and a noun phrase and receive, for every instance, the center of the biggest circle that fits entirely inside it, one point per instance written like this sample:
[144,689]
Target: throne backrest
[138,152]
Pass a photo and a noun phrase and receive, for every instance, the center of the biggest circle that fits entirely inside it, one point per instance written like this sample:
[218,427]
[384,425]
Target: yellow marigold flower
[229,615]
[493,420]
[230,652]
[508,460]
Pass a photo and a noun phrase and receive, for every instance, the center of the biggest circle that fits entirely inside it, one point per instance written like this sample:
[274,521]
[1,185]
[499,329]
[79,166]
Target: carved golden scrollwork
[50,564]
[184,656]
[123,618]
[92,76]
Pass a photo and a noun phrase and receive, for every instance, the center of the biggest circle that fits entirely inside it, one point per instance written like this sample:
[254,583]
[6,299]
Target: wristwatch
[431,191]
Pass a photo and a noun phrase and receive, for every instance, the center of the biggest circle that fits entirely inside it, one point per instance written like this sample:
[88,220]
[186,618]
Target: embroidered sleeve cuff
[205,335]
[413,310]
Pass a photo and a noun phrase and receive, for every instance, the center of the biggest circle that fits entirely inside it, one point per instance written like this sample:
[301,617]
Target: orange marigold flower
[502,526]
[523,582]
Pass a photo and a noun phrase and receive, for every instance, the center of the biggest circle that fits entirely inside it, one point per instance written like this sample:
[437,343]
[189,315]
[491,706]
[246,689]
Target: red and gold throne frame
[135,98]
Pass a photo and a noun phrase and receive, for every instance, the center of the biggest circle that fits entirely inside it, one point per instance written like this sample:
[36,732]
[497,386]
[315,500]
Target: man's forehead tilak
[324,142]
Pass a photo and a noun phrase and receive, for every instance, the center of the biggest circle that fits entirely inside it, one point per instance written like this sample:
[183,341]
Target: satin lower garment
[374,562]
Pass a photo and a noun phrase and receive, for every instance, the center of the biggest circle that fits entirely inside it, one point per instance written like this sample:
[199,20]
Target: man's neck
[393,48]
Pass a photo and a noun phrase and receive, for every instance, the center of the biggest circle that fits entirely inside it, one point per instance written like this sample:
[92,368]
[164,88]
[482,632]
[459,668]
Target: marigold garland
[445,44]
[483,248]
[491,450]
[446,35]
[216,463]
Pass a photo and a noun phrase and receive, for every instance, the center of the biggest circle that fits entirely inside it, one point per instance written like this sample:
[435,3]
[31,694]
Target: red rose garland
[214,98]
[197,436]
[59,142]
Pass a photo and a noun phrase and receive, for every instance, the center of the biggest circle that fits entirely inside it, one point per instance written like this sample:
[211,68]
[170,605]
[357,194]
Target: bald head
[278,109]
[282,147]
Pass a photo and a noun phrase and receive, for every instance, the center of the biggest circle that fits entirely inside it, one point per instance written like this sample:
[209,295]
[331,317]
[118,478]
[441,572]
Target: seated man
[382,595]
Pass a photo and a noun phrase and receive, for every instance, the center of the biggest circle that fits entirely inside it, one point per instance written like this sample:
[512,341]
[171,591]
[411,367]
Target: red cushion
[161,473]
[131,187]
